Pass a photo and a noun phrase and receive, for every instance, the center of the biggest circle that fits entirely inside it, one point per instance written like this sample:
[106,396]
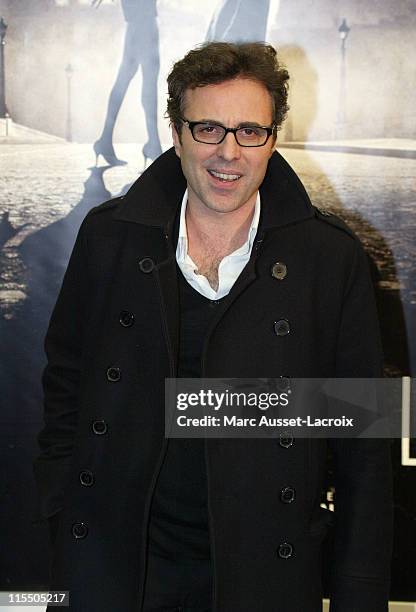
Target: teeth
[224,177]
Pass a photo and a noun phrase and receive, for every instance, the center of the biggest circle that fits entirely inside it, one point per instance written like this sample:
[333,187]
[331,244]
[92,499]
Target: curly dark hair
[216,62]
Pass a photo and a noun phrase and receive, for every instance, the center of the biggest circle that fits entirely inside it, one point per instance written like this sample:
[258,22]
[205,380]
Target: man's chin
[225,206]
[225,202]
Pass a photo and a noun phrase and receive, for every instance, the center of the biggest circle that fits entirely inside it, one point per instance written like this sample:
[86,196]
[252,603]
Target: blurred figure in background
[141,48]
[241,20]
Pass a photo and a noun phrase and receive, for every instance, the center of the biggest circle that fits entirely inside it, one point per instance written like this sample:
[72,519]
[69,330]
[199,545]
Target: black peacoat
[112,340]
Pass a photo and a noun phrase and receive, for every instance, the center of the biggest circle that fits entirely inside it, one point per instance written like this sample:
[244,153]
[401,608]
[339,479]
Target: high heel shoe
[106,149]
[151,151]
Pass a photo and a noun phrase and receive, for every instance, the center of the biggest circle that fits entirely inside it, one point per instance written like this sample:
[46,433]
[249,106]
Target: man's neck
[217,231]
[213,235]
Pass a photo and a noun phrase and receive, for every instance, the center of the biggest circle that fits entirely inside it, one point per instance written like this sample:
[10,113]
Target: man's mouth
[224,176]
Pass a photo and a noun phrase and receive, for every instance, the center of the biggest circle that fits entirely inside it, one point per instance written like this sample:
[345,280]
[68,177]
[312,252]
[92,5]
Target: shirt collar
[182,246]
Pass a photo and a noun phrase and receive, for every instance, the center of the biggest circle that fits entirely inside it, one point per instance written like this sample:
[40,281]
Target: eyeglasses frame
[191,124]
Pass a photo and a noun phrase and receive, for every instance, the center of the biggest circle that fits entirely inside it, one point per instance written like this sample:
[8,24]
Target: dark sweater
[179,518]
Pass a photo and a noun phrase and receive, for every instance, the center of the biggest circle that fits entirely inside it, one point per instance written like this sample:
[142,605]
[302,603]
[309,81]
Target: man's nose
[229,148]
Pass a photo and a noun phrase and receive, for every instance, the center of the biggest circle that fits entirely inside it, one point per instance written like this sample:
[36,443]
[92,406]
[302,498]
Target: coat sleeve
[360,568]
[61,381]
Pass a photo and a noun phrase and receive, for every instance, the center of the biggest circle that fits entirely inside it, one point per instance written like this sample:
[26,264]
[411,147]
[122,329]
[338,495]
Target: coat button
[86,478]
[79,530]
[99,427]
[280,384]
[287,495]
[281,327]
[286,440]
[113,374]
[146,265]
[279,270]
[126,318]
[285,550]
[283,383]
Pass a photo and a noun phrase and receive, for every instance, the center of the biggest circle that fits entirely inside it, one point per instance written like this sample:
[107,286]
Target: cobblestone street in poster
[374,194]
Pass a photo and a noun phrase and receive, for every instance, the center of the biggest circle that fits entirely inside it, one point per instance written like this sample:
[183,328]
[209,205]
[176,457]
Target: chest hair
[208,256]
[208,265]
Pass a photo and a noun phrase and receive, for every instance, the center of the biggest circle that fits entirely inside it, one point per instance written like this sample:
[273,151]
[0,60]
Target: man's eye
[209,129]
[249,131]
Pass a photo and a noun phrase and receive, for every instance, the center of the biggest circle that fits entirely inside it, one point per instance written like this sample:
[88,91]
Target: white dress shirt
[230,266]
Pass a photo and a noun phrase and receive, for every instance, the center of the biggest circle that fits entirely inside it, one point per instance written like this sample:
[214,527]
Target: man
[214,264]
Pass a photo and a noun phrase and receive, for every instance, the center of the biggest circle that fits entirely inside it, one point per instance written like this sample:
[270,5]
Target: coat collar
[155,197]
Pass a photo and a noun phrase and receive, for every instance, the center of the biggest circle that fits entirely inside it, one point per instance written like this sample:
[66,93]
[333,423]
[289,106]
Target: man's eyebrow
[214,121]
[250,124]
[240,125]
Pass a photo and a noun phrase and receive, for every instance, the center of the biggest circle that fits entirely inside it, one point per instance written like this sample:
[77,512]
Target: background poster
[83,89]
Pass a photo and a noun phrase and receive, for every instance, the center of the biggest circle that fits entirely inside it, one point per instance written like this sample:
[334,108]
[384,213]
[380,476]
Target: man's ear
[176,141]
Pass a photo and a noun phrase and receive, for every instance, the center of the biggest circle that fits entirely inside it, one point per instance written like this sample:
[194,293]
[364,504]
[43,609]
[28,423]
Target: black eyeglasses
[247,135]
